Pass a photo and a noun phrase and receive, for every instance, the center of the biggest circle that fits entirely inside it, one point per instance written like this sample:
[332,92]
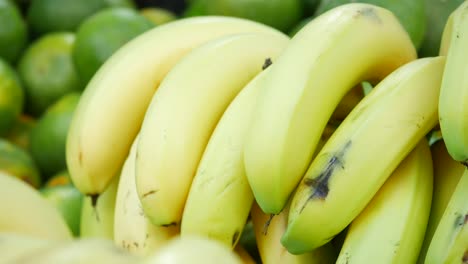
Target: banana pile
[202,126]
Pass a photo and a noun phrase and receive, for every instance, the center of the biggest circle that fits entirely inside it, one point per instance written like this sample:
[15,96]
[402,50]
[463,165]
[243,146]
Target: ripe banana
[453,101]
[104,127]
[330,55]
[80,251]
[391,228]
[97,219]
[450,241]
[15,245]
[268,232]
[184,112]
[220,177]
[132,229]
[24,211]
[364,150]
[447,173]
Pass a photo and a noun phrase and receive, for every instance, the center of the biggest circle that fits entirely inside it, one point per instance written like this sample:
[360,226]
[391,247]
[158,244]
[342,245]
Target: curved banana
[24,211]
[81,251]
[449,243]
[112,107]
[220,198]
[453,101]
[329,56]
[391,228]
[14,246]
[184,113]
[268,232]
[97,217]
[447,173]
[132,229]
[362,153]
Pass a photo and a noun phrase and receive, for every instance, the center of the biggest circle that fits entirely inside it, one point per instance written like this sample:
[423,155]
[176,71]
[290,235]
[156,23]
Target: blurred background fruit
[102,34]
[19,163]
[19,133]
[47,71]
[13,31]
[11,97]
[158,15]
[60,178]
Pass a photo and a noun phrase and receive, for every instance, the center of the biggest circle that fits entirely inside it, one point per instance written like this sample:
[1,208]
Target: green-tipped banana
[449,244]
[362,153]
[447,173]
[133,231]
[453,102]
[184,112]
[328,57]
[390,230]
[111,110]
[23,210]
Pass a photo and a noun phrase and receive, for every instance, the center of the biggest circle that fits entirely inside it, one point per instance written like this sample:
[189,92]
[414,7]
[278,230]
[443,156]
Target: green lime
[65,15]
[437,13]
[13,31]
[19,163]
[104,33]
[58,179]
[47,71]
[68,200]
[48,137]
[411,14]
[157,15]
[19,133]
[11,97]
[280,14]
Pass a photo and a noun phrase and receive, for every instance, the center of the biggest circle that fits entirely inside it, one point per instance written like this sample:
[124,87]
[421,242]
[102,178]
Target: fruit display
[228,131]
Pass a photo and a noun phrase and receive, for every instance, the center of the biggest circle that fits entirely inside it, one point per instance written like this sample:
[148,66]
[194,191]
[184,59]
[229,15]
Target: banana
[362,153]
[268,232]
[80,251]
[14,246]
[220,177]
[391,228]
[132,229]
[333,53]
[97,218]
[447,173]
[347,103]
[450,241]
[193,249]
[24,211]
[184,112]
[112,107]
[453,101]
[244,255]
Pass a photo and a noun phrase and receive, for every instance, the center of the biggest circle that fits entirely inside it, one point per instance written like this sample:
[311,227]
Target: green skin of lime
[19,163]
[68,200]
[13,31]
[11,97]
[48,137]
[103,34]
[48,72]
[19,133]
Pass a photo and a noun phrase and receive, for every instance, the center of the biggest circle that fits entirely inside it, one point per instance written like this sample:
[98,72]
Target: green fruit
[47,71]
[59,179]
[103,34]
[157,15]
[68,200]
[19,133]
[19,163]
[310,6]
[13,31]
[410,13]
[48,137]
[11,97]
[299,26]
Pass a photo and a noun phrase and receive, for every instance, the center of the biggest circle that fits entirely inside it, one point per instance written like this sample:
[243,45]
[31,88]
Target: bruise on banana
[319,184]
[370,13]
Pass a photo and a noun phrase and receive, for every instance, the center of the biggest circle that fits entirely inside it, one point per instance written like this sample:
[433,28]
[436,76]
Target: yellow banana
[391,228]
[220,198]
[453,101]
[447,173]
[132,229]
[15,245]
[244,255]
[184,112]
[329,56]
[111,110]
[364,150]
[23,210]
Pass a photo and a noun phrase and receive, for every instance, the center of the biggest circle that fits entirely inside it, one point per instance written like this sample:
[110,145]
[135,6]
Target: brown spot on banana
[170,224]
[465,257]
[149,193]
[267,63]
[267,224]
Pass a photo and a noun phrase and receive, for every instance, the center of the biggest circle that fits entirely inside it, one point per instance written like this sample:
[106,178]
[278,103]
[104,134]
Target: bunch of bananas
[202,125]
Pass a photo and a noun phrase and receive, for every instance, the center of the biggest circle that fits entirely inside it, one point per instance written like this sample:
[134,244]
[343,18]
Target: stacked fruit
[336,145]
